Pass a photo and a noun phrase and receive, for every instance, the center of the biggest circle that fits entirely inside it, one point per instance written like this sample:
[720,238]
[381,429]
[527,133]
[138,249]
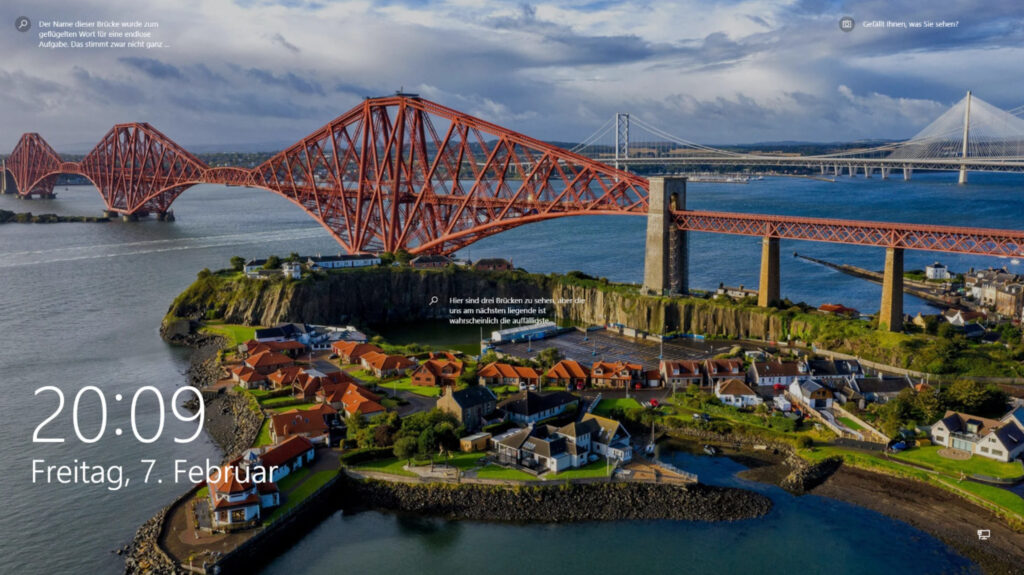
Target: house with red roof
[681,373]
[352,351]
[722,369]
[497,373]
[236,500]
[568,374]
[350,398]
[284,377]
[287,457]
[618,374]
[248,377]
[384,365]
[267,362]
[437,372]
[315,423]
[307,383]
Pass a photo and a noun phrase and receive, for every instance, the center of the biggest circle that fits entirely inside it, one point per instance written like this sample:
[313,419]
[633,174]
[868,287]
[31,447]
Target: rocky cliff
[377,295]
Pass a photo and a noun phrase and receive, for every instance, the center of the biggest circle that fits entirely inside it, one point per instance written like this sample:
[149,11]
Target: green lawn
[290,500]
[847,422]
[996,495]
[929,457]
[284,401]
[391,465]
[497,472]
[598,468]
[405,384]
[292,478]
[605,407]
[235,334]
[264,437]
[463,461]
[203,493]
[284,408]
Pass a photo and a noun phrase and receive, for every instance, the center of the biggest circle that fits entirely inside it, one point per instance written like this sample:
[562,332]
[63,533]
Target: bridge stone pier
[666,260]
[768,291]
[890,316]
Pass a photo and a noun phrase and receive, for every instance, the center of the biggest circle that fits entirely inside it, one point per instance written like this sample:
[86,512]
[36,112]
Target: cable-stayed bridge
[972,135]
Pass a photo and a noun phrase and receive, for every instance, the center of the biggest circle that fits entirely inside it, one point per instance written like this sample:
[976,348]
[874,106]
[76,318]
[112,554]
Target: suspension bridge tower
[967,127]
[621,140]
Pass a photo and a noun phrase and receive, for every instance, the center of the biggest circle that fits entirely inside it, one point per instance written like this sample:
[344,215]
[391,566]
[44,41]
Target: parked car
[701,417]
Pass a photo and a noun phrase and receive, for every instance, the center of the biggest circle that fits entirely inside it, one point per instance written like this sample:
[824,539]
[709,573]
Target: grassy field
[463,461]
[405,384]
[300,406]
[235,334]
[847,422]
[929,457]
[391,465]
[264,437]
[304,490]
[607,405]
[995,495]
[497,472]
[292,478]
[283,401]
[598,468]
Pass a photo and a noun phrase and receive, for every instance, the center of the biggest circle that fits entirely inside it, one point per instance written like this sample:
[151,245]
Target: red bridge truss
[402,172]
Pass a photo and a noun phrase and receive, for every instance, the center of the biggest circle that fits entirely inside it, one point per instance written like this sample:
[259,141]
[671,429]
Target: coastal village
[542,403]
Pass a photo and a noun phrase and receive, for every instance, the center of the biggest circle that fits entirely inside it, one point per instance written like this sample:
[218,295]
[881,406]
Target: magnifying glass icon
[22,24]
[433,300]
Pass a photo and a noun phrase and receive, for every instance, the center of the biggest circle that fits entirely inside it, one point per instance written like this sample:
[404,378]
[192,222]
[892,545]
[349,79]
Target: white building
[936,271]
[810,393]
[736,393]
[1002,440]
[342,261]
[292,270]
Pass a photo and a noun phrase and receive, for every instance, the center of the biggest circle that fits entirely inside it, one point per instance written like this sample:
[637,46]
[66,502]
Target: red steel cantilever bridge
[402,172]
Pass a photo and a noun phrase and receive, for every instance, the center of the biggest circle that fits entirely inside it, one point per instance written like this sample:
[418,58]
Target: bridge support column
[167,216]
[907,172]
[867,171]
[768,289]
[835,169]
[885,172]
[963,175]
[852,169]
[666,260]
[890,316]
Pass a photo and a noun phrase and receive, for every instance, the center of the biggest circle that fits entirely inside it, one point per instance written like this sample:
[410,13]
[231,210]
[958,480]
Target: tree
[428,441]
[402,256]
[405,448]
[237,263]
[273,263]
[927,402]
[294,257]
[549,357]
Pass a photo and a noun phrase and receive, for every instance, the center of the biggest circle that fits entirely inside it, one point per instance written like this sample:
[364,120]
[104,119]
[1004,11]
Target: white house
[292,270]
[736,393]
[810,393]
[1002,440]
[776,372]
[936,271]
[236,499]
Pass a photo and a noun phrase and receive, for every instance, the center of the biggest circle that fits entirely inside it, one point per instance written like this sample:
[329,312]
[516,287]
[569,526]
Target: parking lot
[602,345]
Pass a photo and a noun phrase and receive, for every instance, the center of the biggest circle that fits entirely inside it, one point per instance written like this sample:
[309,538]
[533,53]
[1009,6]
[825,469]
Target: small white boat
[1015,261]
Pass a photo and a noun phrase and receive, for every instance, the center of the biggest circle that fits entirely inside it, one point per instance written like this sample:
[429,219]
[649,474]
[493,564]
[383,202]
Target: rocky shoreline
[557,503]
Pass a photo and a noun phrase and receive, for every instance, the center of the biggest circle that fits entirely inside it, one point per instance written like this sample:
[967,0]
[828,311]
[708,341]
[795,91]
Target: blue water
[807,534]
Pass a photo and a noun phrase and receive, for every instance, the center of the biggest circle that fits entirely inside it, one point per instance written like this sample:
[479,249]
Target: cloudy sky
[264,71]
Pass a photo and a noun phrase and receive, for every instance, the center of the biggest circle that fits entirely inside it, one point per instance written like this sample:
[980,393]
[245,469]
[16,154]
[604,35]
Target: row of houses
[997,289]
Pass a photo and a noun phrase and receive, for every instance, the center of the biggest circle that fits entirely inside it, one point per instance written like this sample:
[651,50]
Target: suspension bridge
[972,135]
[402,172]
